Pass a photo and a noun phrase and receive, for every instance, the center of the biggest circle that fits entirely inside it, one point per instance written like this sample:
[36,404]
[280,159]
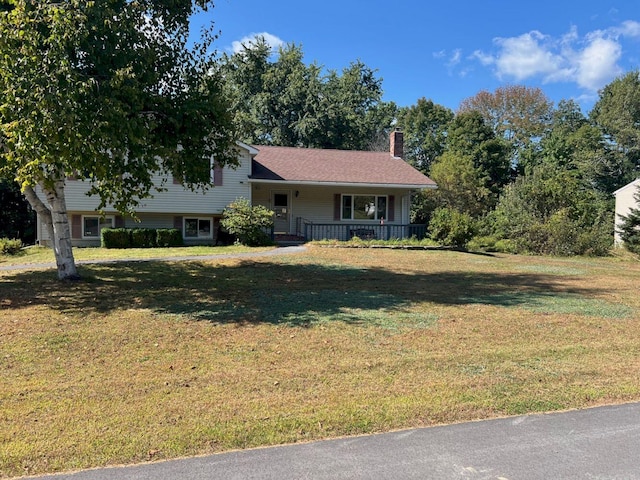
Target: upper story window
[364,207]
[215,174]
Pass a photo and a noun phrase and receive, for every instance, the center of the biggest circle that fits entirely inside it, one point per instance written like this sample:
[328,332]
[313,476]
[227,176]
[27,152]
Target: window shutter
[391,207]
[76,226]
[177,222]
[119,221]
[217,175]
[336,207]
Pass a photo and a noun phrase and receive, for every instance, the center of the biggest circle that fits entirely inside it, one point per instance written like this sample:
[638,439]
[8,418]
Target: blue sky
[447,51]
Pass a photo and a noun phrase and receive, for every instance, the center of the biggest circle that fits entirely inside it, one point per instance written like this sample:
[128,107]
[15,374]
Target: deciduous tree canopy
[108,90]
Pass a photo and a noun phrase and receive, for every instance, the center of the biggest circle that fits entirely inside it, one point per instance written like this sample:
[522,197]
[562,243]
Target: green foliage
[630,227]
[143,238]
[115,238]
[461,186]
[169,237]
[552,212]
[617,114]
[450,227]
[17,219]
[248,223]
[289,103]
[10,246]
[516,113]
[425,127]
[115,91]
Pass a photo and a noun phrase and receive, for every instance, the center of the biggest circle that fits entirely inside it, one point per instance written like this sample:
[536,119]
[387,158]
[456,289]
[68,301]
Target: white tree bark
[40,208]
[57,224]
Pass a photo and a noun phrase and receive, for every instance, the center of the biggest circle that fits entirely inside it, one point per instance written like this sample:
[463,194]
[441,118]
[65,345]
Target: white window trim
[352,195]
[184,227]
[99,217]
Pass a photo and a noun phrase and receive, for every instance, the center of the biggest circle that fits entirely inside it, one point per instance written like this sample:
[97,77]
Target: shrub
[169,237]
[115,238]
[143,238]
[247,223]
[485,243]
[451,228]
[10,246]
[507,246]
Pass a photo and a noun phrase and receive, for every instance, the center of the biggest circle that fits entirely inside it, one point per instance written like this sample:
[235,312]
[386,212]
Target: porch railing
[346,231]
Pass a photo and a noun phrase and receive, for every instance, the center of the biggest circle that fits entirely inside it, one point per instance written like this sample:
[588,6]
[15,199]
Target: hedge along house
[314,193]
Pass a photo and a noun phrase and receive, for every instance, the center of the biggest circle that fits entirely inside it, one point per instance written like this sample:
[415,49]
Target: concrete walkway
[267,253]
[597,443]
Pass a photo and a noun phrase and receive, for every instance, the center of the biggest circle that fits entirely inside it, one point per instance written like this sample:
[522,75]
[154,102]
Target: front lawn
[144,361]
[41,255]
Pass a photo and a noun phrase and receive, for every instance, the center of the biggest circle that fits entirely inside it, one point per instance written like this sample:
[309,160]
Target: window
[91,225]
[197,228]
[201,169]
[364,207]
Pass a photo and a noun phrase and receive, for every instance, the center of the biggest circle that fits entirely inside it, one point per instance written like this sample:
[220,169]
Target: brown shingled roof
[335,166]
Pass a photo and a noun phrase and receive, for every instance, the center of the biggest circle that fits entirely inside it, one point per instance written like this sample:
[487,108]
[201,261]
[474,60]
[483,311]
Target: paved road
[266,253]
[598,443]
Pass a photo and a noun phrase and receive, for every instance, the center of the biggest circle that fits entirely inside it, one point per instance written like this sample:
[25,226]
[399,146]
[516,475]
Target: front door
[282,210]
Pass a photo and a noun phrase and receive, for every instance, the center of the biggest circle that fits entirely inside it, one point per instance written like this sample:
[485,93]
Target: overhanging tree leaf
[108,90]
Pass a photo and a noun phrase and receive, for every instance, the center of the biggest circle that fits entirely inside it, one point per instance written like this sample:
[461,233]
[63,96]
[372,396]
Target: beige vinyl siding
[624,203]
[316,203]
[160,210]
[176,198]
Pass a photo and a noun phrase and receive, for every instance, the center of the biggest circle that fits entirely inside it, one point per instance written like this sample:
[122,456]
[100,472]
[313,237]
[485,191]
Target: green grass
[36,255]
[151,360]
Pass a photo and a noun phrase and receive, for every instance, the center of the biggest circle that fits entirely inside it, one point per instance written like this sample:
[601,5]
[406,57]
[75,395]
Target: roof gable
[308,165]
[635,183]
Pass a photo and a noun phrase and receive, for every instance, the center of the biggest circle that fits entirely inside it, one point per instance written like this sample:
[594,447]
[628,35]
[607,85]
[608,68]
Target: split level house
[314,194]
[625,201]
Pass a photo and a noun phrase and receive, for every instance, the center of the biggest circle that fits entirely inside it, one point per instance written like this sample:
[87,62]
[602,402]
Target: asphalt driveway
[597,443]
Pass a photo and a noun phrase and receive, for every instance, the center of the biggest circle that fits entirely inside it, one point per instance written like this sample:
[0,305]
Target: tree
[289,103]
[461,185]
[573,143]
[469,135]
[516,113]
[109,91]
[630,227]
[425,131]
[17,219]
[617,114]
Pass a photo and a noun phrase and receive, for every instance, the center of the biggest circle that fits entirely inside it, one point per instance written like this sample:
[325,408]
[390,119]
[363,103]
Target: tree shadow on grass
[272,292]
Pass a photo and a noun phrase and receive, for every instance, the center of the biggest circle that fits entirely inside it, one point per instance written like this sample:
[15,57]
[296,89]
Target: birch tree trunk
[40,208]
[61,238]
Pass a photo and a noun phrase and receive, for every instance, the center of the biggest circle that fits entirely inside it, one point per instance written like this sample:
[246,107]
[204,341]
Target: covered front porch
[304,213]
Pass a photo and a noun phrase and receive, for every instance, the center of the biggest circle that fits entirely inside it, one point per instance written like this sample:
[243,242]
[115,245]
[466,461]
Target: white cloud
[273,41]
[629,29]
[526,56]
[591,61]
[597,63]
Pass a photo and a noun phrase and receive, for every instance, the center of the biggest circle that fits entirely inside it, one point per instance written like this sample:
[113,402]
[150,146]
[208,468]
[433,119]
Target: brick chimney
[396,143]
